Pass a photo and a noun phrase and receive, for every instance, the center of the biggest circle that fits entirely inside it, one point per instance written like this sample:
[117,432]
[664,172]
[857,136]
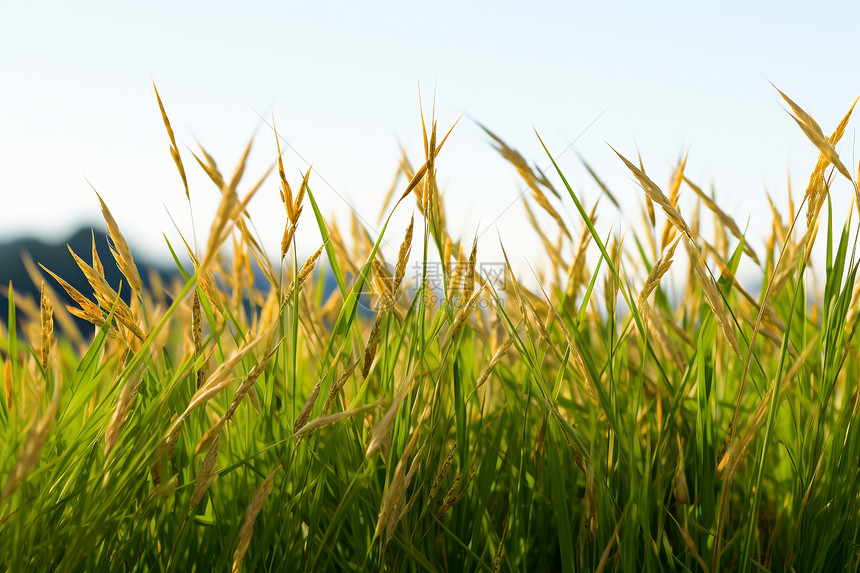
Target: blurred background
[341,79]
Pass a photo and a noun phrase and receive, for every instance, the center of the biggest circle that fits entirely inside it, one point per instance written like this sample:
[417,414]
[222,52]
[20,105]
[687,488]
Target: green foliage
[559,427]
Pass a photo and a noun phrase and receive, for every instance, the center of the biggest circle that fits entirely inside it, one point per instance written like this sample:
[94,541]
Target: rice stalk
[394,499]
[206,474]
[304,272]
[37,436]
[7,384]
[244,389]
[251,514]
[126,398]
[382,430]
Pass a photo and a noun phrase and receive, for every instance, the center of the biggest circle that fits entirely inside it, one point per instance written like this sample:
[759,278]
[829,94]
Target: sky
[341,79]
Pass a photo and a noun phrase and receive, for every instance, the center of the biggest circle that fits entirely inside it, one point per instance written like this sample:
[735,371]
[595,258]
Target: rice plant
[584,420]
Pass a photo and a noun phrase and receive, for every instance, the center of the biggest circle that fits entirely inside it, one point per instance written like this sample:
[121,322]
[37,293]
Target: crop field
[267,412]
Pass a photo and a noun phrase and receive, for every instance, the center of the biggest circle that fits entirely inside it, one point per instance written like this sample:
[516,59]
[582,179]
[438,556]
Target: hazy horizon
[77,106]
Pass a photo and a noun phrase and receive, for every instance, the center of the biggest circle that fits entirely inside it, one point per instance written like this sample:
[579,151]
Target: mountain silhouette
[56,257]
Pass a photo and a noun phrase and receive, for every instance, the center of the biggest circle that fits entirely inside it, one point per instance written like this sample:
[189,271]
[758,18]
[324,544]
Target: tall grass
[591,422]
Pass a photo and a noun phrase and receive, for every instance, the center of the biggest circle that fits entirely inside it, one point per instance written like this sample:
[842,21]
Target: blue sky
[341,78]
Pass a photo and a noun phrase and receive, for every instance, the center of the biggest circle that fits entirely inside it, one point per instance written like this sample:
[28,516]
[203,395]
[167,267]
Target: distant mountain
[56,257]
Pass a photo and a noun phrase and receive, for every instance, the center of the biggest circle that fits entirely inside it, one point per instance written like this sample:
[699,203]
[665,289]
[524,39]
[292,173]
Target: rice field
[345,415]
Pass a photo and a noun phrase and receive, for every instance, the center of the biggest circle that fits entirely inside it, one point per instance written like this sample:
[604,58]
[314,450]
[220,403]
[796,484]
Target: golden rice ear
[209,166]
[257,253]
[814,133]
[649,204]
[576,274]
[817,188]
[394,500]
[88,310]
[653,192]
[600,182]
[430,152]
[542,200]
[383,429]
[285,190]
[534,178]
[441,474]
[840,128]
[413,185]
[727,221]
[403,254]
[7,384]
[419,175]
[289,233]
[47,331]
[297,205]
[372,344]
[106,297]
[457,273]
[61,314]
[302,419]
[216,382]
[469,278]
[463,314]
[246,388]
[206,280]
[497,561]
[120,251]
[714,299]
[197,335]
[294,207]
[174,150]
[447,253]
[206,473]
[446,501]
[382,281]
[657,271]
[97,262]
[542,332]
[674,194]
[430,180]
[229,210]
[304,273]
[338,384]
[251,514]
